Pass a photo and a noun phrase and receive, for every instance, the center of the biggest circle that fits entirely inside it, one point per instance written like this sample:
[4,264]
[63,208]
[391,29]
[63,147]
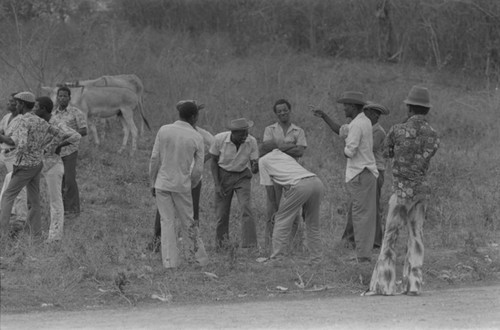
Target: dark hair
[45,103]
[418,109]
[188,110]
[282,101]
[64,88]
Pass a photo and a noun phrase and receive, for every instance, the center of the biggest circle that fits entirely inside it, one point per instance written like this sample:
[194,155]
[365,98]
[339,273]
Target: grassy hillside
[102,260]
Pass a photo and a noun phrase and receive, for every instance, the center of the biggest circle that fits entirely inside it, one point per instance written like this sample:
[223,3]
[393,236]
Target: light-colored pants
[307,193]
[23,177]
[20,208]
[171,204]
[363,193]
[53,176]
[410,214]
[271,211]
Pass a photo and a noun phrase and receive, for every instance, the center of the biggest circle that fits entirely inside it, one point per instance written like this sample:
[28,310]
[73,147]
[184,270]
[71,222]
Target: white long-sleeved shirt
[359,148]
[281,169]
[176,162]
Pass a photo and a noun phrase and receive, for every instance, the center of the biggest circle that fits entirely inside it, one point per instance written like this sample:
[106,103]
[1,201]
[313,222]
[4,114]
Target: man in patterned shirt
[74,119]
[282,132]
[411,145]
[53,168]
[31,136]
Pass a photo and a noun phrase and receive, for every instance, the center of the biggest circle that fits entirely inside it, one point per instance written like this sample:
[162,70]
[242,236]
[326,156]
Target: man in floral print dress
[411,145]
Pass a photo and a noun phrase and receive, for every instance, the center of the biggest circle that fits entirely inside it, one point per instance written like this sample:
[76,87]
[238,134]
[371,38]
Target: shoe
[412,293]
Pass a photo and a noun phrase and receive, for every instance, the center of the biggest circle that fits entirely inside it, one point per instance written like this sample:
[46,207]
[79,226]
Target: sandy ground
[466,308]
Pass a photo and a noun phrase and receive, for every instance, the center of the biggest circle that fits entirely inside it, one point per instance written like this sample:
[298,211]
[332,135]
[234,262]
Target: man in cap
[53,168]
[373,111]
[175,167]
[208,139]
[303,190]
[283,132]
[30,138]
[74,118]
[361,171]
[8,125]
[411,145]
[234,158]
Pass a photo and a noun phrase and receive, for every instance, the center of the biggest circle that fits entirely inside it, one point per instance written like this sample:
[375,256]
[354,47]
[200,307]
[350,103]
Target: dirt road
[473,308]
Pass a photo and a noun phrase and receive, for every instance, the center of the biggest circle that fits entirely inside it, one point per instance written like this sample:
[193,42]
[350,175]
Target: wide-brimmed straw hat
[418,96]
[26,97]
[239,124]
[351,97]
[377,107]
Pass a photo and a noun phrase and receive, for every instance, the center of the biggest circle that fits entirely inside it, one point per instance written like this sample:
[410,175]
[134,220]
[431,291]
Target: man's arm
[214,167]
[352,141]
[7,140]
[197,171]
[154,164]
[320,113]
[81,123]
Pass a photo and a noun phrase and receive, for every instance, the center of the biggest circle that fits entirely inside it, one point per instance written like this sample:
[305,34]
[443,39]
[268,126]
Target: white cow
[105,102]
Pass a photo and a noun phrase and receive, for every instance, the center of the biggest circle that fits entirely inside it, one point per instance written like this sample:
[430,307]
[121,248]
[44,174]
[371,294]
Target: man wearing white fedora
[234,158]
[361,171]
[411,145]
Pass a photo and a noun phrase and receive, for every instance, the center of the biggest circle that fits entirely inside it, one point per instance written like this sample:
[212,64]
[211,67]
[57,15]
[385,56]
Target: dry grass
[102,260]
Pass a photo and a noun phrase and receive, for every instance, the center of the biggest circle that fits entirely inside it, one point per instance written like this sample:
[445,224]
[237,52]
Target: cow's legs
[128,124]
[93,130]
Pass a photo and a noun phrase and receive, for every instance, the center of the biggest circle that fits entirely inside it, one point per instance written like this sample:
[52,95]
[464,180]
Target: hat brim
[425,105]
[348,100]
[377,107]
[234,128]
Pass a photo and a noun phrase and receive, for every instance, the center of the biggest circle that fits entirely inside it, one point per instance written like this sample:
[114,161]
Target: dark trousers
[29,178]
[71,196]
[195,194]
[231,183]
[379,233]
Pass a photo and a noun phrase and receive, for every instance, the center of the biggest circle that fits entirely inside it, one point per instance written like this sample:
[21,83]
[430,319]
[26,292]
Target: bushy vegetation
[239,68]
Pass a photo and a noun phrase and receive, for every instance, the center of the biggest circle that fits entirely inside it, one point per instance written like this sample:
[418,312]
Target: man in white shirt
[234,158]
[361,171]
[208,139]
[302,189]
[283,131]
[176,167]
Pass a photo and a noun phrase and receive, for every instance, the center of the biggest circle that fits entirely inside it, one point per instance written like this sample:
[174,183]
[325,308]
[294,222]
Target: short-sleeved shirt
[280,168]
[31,137]
[72,117]
[359,147]
[234,159]
[411,145]
[177,158]
[378,133]
[294,134]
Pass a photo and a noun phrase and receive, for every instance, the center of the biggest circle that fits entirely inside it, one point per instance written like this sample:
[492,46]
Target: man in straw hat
[283,132]
[175,167]
[373,111]
[30,138]
[361,171]
[411,145]
[303,190]
[234,158]
[208,139]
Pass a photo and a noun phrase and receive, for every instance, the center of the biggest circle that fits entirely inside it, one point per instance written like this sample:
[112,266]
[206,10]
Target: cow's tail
[141,111]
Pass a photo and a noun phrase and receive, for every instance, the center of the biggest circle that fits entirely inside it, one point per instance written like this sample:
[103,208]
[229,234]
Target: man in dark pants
[73,118]
[208,139]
